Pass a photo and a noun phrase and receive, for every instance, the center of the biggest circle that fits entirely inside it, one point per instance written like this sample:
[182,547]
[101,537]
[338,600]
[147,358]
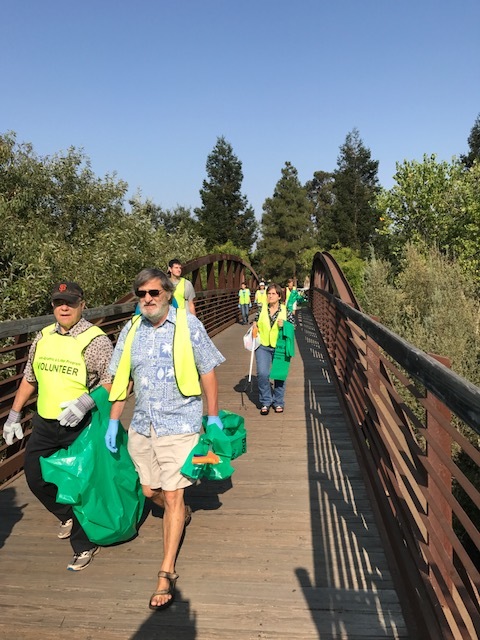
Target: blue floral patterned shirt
[158,402]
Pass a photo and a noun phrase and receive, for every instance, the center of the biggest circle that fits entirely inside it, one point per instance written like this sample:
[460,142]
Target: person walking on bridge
[67,360]
[167,353]
[184,293]
[270,321]
[291,296]
[244,302]
[261,295]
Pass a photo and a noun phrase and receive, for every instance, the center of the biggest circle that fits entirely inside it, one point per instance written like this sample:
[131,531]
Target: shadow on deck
[288,548]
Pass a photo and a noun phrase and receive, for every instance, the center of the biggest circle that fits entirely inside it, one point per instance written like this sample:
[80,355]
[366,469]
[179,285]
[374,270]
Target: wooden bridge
[337,523]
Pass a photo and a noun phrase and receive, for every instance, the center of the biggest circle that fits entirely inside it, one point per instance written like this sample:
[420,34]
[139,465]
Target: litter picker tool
[251,342]
[251,362]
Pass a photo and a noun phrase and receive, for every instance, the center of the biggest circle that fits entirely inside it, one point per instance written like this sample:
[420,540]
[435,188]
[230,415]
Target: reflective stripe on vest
[60,369]
[186,374]
[179,293]
[269,335]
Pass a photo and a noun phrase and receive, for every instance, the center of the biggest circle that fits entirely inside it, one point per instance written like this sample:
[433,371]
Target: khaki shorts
[158,460]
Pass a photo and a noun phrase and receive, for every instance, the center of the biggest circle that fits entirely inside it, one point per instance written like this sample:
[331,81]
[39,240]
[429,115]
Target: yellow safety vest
[269,335]
[244,296]
[60,369]
[186,373]
[261,296]
[179,293]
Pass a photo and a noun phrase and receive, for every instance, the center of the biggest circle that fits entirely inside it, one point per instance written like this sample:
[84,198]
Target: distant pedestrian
[244,302]
[291,296]
[184,293]
[261,295]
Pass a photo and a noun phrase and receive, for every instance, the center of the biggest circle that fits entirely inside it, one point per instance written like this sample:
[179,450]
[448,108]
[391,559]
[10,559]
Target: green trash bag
[227,445]
[103,487]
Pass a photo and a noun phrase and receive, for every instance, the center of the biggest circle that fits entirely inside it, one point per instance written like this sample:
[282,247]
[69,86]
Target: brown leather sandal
[172,578]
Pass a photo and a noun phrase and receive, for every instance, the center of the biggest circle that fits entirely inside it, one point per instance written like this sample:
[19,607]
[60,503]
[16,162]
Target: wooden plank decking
[287,549]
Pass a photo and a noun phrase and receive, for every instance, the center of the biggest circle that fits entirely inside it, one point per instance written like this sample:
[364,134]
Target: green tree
[59,220]
[51,209]
[287,228]
[320,193]
[229,247]
[430,302]
[352,266]
[356,185]
[436,204]
[474,144]
[225,213]
[172,219]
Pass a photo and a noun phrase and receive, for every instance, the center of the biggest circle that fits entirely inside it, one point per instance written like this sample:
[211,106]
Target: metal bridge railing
[416,426]
[216,279]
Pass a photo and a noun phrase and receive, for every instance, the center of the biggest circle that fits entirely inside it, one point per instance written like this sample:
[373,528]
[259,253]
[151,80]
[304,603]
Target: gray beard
[158,315]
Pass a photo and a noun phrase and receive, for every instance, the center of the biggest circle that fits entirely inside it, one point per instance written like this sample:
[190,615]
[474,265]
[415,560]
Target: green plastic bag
[103,487]
[227,444]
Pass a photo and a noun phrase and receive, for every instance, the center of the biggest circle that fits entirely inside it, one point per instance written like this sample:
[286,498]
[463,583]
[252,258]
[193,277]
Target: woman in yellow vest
[261,295]
[270,319]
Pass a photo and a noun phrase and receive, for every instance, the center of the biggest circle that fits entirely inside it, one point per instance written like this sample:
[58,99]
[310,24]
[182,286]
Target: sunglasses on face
[153,293]
[61,303]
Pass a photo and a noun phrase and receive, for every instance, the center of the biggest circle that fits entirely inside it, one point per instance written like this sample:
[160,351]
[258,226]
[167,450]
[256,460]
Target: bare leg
[156,496]
[173,526]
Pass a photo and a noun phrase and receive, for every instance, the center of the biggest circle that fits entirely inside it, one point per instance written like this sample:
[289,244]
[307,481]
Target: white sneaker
[65,529]
[82,560]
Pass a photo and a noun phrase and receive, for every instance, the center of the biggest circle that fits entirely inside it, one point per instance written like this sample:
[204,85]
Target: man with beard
[167,353]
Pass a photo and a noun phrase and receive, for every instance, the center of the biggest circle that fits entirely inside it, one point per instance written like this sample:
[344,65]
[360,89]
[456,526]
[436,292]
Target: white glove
[12,427]
[75,410]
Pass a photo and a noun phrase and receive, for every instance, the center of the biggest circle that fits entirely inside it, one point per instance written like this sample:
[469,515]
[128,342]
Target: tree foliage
[286,228]
[437,204]
[320,191]
[229,247]
[59,220]
[171,220]
[225,213]
[474,145]
[430,303]
[354,218]
[352,265]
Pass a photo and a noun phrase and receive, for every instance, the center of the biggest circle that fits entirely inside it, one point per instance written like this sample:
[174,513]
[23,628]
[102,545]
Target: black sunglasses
[153,293]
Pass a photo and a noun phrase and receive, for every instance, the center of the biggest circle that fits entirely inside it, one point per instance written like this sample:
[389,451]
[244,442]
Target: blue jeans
[267,396]
[244,309]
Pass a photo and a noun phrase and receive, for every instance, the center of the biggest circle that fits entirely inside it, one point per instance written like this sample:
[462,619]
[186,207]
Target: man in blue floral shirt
[167,353]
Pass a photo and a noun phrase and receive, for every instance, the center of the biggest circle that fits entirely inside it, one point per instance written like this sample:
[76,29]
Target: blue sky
[146,87]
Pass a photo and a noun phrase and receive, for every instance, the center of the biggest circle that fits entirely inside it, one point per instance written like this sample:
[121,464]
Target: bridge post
[196,280]
[442,484]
